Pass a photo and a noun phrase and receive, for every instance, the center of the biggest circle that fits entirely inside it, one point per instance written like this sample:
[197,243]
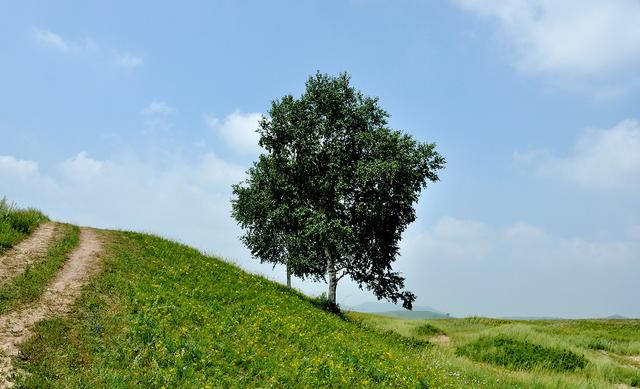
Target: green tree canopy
[334,189]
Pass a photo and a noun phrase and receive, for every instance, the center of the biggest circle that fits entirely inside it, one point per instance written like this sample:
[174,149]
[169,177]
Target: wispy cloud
[157,107]
[502,269]
[81,167]
[156,114]
[51,39]
[11,166]
[238,130]
[592,44]
[129,61]
[188,200]
[605,159]
[55,41]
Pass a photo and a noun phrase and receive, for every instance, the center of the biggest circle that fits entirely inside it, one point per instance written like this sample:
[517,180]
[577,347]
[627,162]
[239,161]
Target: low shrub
[486,321]
[598,343]
[521,355]
[323,303]
[426,329]
[16,223]
[26,220]
[8,236]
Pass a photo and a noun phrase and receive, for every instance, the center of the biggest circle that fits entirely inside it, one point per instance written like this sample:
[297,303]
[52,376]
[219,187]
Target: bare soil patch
[442,340]
[16,326]
[26,253]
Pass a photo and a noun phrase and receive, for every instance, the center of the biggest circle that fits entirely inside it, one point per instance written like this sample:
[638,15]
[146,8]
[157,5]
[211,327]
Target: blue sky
[141,115]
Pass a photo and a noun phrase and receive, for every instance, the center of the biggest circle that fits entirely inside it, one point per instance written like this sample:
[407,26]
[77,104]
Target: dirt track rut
[16,326]
[26,253]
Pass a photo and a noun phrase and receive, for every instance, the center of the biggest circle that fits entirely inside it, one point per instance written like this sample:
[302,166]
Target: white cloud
[443,240]
[129,61]
[51,39]
[17,167]
[81,167]
[86,47]
[11,166]
[602,159]
[157,107]
[474,242]
[471,267]
[156,115]
[238,130]
[189,201]
[582,40]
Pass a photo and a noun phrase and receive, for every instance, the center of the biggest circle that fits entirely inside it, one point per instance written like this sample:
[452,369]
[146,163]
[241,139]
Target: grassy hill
[162,314]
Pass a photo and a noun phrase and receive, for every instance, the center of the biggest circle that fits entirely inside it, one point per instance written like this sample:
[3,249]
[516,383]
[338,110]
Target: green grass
[533,345]
[521,355]
[162,314]
[618,336]
[16,224]
[30,284]
[426,329]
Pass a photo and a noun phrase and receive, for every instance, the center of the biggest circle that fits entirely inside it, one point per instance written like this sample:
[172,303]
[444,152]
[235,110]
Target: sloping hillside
[154,313]
[163,314]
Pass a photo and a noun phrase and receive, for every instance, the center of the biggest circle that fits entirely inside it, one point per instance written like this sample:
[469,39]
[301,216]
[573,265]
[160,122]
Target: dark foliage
[335,188]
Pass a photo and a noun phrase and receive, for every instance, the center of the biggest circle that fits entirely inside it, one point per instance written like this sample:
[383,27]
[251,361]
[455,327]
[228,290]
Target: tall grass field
[597,353]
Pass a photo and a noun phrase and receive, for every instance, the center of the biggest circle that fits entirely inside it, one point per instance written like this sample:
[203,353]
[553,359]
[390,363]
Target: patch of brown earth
[442,340]
[26,253]
[16,327]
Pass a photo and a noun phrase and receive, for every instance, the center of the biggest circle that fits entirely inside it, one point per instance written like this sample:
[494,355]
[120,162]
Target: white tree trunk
[331,272]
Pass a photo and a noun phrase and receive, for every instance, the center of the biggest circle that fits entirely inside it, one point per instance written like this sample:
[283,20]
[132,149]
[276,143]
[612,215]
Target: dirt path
[442,340]
[26,253]
[16,327]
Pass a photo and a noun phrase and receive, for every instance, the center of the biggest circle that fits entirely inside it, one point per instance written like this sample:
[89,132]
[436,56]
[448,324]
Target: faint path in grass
[26,253]
[442,340]
[57,299]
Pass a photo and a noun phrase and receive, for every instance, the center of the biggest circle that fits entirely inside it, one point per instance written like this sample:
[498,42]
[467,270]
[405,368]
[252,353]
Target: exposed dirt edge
[16,326]
[26,253]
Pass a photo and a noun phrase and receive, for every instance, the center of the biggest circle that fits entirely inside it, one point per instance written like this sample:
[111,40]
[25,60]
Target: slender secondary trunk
[331,272]
[288,276]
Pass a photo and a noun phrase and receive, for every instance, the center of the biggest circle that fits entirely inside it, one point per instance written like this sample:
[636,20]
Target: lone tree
[334,189]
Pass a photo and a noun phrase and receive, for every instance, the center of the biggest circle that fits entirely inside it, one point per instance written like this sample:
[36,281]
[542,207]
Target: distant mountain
[530,318]
[390,309]
[415,314]
[612,317]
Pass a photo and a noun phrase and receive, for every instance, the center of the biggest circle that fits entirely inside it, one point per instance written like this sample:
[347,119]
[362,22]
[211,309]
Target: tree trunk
[331,272]
[288,276]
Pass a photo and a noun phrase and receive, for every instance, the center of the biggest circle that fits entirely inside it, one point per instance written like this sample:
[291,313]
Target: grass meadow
[161,314]
[537,353]
[164,315]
